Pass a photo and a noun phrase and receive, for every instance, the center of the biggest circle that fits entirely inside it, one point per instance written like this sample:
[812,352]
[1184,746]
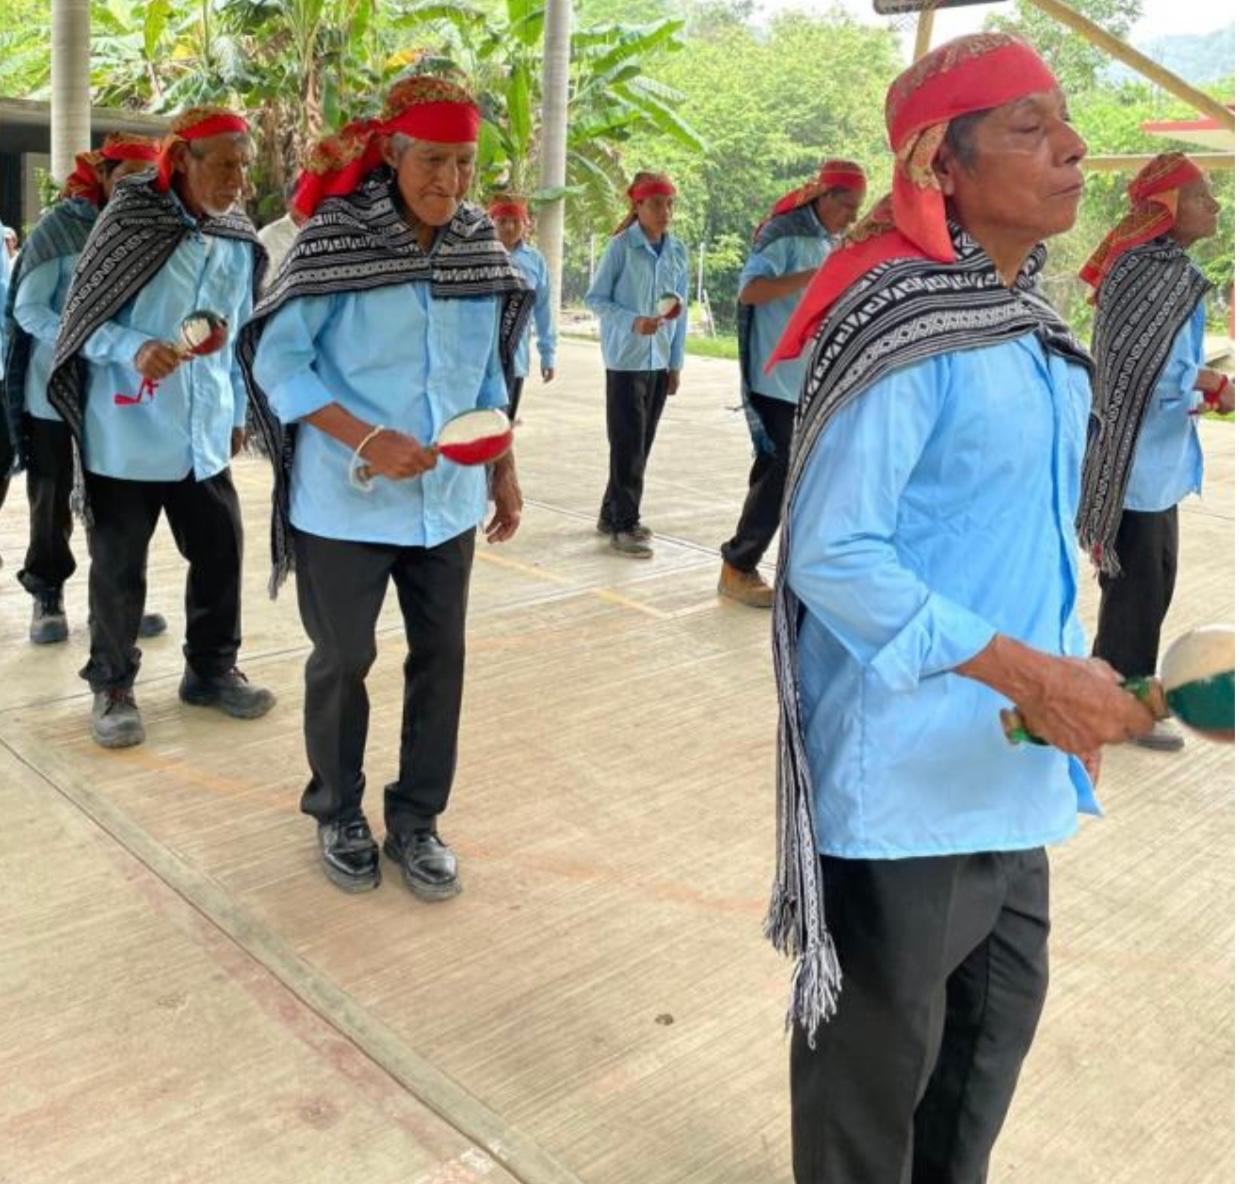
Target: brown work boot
[745,587]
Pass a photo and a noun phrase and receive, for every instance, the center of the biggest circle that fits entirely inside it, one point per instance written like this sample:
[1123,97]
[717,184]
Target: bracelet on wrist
[360,477]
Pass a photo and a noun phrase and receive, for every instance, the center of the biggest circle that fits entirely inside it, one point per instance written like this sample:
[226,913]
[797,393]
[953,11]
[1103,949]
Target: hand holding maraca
[157,359]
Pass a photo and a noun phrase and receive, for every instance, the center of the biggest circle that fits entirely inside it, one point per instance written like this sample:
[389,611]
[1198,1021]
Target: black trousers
[515,387]
[49,486]
[759,518]
[340,590]
[1134,603]
[635,400]
[205,519]
[944,973]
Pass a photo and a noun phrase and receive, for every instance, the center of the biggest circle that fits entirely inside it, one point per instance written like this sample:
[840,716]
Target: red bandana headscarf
[834,174]
[1153,195]
[198,123]
[423,108]
[84,183]
[507,205]
[968,74]
[644,185]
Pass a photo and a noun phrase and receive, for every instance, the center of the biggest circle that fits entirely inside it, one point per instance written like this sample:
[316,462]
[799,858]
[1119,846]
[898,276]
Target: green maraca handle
[1146,688]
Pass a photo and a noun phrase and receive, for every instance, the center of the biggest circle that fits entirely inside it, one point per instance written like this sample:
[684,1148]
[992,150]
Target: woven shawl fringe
[899,313]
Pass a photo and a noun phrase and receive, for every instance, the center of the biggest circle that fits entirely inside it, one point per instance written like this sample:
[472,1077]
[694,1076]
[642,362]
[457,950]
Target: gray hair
[961,136]
[401,143]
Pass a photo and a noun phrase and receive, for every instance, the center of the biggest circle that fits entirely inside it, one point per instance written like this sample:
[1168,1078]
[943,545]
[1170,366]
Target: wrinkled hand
[508,502]
[238,441]
[397,456]
[1077,705]
[673,382]
[646,326]
[548,373]
[157,359]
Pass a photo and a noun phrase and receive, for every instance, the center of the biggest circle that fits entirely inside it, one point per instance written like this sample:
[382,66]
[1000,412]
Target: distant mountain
[1195,57]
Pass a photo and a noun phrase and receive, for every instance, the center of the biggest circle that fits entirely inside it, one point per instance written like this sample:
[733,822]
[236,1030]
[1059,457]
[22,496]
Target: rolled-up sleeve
[843,561]
[284,363]
[1176,382]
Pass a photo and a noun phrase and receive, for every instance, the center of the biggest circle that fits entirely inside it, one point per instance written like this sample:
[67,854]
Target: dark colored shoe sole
[260,709]
[423,891]
[351,884]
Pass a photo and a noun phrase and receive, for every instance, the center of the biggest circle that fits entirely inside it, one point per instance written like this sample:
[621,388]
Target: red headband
[658,188]
[968,74]
[508,209]
[338,164]
[195,125]
[841,174]
[129,150]
[1154,196]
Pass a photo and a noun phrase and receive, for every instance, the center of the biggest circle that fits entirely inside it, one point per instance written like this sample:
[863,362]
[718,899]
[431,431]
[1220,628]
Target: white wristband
[359,471]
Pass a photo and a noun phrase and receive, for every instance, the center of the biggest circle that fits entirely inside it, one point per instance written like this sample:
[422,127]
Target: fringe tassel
[816,983]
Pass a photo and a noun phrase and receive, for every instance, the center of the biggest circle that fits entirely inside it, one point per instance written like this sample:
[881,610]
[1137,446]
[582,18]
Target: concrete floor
[187,999]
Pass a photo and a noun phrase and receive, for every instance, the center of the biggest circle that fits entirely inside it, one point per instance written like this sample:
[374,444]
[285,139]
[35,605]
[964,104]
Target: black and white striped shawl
[358,243]
[63,230]
[1143,303]
[897,314]
[133,237]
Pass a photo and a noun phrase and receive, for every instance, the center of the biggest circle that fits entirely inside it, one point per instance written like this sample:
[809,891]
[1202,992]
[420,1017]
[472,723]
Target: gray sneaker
[115,721]
[48,623]
[630,543]
[640,531]
[1164,736]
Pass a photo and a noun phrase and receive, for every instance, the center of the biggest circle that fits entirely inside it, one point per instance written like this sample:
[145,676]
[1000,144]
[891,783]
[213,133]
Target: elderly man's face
[1196,213]
[213,172]
[1024,174]
[433,178]
[837,209]
[123,168]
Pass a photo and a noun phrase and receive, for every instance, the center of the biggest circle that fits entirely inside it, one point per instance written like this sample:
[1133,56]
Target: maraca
[202,332]
[471,438]
[668,308]
[1196,684]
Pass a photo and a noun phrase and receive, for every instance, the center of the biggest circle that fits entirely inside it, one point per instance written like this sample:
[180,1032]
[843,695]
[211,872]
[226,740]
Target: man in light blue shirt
[155,424]
[512,223]
[397,310]
[640,295]
[40,284]
[927,579]
[788,249]
[7,450]
[1149,339]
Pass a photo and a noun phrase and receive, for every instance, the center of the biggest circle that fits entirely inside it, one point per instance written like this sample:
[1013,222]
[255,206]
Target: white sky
[1161,16]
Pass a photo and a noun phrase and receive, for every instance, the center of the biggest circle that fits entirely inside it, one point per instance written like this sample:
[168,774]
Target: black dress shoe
[426,861]
[231,693]
[350,854]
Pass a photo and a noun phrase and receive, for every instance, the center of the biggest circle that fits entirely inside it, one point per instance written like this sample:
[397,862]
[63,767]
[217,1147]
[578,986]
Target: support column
[552,170]
[70,83]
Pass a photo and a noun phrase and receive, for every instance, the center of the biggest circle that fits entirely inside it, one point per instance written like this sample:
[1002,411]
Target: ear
[945,167]
[180,152]
[387,149]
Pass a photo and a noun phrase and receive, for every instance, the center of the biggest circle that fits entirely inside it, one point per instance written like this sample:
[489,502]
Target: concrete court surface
[187,999]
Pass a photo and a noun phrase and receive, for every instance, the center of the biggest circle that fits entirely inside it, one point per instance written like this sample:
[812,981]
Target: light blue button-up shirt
[937,510]
[1167,465]
[631,277]
[782,257]
[533,266]
[40,299]
[6,267]
[395,356]
[187,427]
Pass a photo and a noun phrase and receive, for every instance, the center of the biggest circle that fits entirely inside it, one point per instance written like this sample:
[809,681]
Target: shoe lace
[356,830]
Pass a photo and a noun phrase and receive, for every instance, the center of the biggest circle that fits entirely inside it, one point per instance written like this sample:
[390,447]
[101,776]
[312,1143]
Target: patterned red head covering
[84,182]
[508,205]
[1153,196]
[967,74]
[834,174]
[198,123]
[423,107]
